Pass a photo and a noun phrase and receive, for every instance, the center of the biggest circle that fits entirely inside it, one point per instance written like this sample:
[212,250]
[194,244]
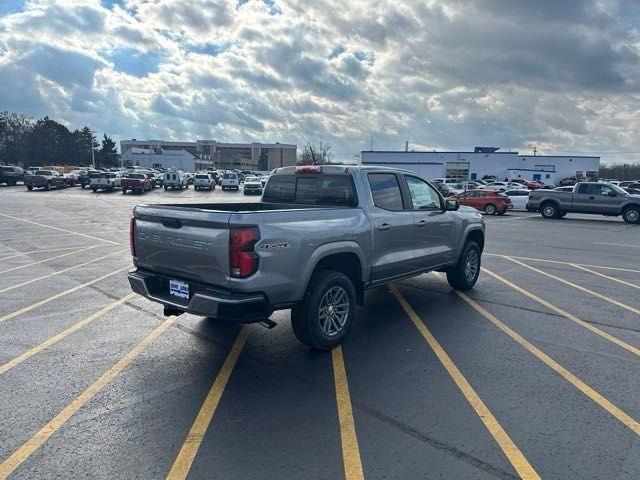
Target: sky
[561,76]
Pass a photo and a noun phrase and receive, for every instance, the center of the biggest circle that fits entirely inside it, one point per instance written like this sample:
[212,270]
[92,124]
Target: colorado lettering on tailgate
[174,241]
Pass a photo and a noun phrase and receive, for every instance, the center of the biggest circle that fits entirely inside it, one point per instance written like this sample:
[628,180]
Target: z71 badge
[273,245]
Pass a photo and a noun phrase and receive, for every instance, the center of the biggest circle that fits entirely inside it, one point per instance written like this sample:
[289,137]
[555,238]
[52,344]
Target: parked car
[136,182]
[108,181]
[204,181]
[519,198]
[175,179]
[252,186]
[230,181]
[263,180]
[46,179]
[630,183]
[633,190]
[189,178]
[587,197]
[243,261]
[73,177]
[11,175]
[567,182]
[497,186]
[490,202]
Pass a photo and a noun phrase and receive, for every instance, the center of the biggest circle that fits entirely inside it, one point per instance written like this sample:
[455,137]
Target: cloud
[447,74]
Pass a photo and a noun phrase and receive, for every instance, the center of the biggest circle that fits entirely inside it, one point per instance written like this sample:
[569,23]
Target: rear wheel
[47,186]
[94,190]
[464,275]
[490,209]
[29,187]
[124,191]
[631,214]
[324,316]
[549,210]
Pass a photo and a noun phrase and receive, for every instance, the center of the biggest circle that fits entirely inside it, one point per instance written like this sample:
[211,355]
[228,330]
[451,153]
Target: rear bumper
[203,300]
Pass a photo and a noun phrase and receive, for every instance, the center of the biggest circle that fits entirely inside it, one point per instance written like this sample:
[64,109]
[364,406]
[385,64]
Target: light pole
[93,157]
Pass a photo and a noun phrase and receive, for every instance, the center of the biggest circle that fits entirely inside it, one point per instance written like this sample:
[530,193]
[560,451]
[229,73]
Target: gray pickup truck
[319,238]
[46,179]
[587,197]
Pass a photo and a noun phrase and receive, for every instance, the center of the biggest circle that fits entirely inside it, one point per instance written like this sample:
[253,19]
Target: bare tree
[313,154]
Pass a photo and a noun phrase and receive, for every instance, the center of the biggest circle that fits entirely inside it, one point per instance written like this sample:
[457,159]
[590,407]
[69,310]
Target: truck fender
[472,230]
[325,250]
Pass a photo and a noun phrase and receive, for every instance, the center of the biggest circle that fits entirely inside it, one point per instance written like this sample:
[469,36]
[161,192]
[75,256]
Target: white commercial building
[178,159]
[486,162]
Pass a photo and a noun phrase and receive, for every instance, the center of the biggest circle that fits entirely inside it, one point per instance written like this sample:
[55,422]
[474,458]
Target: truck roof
[340,169]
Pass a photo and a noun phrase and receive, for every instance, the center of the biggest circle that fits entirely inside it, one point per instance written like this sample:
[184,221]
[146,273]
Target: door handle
[421,223]
[592,198]
[384,227]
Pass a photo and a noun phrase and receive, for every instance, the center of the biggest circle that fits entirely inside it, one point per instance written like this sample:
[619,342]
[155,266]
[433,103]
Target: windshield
[618,190]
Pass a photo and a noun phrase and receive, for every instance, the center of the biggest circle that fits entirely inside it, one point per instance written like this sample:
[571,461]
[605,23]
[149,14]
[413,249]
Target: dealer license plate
[179,289]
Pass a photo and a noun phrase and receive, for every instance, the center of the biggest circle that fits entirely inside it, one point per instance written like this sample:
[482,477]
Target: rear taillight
[243,260]
[132,236]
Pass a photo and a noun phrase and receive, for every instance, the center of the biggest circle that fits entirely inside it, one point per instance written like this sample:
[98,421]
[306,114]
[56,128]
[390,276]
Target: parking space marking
[591,393]
[39,438]
[617,244]
[59,295]
[576,286]
[56,338]
[35,236]
[27,282]
[19,267]
[613,279]
[21,254]
[620,269]
[186,455]
[508,447]
[564,313]
[60,229]
[350,451]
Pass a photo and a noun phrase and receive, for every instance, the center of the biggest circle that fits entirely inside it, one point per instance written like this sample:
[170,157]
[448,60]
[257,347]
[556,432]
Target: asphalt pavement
[533,374]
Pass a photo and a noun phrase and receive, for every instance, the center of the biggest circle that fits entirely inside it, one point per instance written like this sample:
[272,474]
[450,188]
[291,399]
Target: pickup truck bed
[315,243]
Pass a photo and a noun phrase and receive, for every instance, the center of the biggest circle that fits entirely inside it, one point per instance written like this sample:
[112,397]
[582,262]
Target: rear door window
[386,191]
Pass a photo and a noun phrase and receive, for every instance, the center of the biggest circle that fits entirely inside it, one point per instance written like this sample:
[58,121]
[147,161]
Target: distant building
[208,154]
[484,162]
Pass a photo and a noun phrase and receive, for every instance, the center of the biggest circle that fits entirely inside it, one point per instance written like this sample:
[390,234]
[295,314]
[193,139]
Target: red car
[488,201]
[136,182]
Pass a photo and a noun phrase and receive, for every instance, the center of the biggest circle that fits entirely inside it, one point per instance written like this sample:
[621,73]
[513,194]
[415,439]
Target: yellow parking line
[629,284]
[564,263]
[510,449]
[564,313]
[60,229]
[349,439]
[576,286]
[21,254]
[598,398]
[37,440]
[6,289]
[59,295]
[56,338]
[191,445]
[47,259]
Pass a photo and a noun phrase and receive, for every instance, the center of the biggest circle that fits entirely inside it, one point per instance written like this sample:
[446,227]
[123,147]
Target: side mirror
[612,194]
[451,205]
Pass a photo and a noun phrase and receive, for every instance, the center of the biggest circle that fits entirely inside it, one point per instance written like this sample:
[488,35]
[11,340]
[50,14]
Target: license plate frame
[179,289]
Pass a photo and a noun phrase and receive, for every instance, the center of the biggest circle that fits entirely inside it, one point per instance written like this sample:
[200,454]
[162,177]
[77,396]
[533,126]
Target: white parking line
[617,244]
[21,254]
[563,263]
[19,267]
[60,229]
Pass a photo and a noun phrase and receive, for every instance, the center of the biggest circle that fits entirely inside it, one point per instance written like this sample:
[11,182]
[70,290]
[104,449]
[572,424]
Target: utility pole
[406,146]
[372,142]
[535,150]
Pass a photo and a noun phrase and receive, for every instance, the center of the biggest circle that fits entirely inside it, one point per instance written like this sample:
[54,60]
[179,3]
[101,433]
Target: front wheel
[464,274]
[29,187]
[328,309]
[47,186]
[631,214]
[124,191]
[490,209]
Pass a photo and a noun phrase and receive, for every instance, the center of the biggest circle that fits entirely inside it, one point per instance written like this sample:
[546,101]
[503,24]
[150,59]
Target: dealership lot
[532,374]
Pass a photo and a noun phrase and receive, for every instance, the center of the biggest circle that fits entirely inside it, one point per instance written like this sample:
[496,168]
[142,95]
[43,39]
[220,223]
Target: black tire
[458,276]
[47,186]
[305,316]
[631,214]
[166,188]
[502,212]
[29,187]
[490,209]
[124,191]
[549,210]
[562,214]
[95,190]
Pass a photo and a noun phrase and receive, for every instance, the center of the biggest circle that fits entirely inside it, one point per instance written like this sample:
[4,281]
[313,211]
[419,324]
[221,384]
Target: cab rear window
[320,189]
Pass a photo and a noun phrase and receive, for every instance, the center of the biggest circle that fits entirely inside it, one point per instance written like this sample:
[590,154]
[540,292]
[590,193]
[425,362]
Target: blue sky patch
[11,6]
[134,62]
[212,49]
[336,52]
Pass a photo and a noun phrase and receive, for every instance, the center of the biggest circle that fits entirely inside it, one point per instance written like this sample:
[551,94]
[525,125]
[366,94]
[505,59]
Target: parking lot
[533,374]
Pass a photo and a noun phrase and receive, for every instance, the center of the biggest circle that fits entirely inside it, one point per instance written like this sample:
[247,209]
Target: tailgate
[186,242]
